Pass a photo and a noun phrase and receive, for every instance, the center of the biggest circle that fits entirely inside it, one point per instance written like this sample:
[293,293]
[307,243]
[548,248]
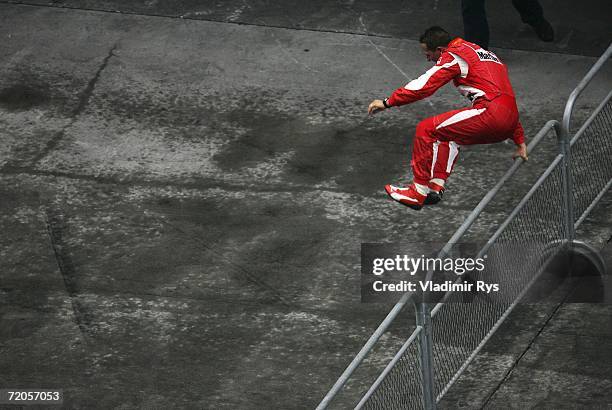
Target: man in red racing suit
[493,117]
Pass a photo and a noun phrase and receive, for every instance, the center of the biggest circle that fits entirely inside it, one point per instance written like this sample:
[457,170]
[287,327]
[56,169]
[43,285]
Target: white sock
[438,181]
[421,189]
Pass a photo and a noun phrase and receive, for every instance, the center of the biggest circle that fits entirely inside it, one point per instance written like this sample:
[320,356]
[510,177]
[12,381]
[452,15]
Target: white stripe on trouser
[438,181]
[460,116]
[454,151]
[435,157]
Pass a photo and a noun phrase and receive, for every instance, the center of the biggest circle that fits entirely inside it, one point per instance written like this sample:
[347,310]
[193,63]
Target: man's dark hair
[435,37]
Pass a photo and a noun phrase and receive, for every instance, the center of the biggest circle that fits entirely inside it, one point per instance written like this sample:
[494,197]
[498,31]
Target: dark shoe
[433,197]
[544,30]
[435,194]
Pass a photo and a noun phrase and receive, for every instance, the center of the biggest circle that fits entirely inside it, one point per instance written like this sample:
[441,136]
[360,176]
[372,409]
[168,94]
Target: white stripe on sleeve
[420,82]
[463,65]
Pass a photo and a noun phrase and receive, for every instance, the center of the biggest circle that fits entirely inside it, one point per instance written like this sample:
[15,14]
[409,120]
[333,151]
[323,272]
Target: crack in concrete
[82,104]
[365,29]
[88,91]
[56,227]
[529,345]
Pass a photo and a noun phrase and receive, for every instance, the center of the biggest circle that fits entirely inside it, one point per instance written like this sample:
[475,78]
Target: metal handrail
[591,118]
[569,106]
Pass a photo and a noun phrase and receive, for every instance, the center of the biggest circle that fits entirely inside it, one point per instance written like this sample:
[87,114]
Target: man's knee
[425,128]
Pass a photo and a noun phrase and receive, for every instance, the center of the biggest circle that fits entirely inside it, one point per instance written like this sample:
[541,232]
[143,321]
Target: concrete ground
[183,199]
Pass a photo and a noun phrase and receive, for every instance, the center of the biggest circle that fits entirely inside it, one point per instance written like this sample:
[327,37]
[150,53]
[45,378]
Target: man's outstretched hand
[521,151]
[375,106]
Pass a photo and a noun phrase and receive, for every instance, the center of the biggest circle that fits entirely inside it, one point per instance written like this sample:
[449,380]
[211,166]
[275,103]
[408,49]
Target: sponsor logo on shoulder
[485,55]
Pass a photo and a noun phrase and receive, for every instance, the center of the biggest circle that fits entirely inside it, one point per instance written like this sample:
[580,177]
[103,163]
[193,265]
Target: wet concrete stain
[262,247]
[318,143]
[155,108]
[43,93]
[358,156]
[171,325]
[137,268]
[20,305]
[35,88]
[24,96]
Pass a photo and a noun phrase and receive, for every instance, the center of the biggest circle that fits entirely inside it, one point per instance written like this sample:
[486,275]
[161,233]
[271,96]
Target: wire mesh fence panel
[401,388]
[591,160]
[464,322]
[456,334]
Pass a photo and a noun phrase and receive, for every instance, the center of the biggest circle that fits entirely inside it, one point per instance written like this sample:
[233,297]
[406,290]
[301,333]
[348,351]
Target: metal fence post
[423,318]
[566,174]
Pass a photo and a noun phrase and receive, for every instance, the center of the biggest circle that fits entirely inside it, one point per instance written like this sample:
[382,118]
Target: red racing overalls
[481,77]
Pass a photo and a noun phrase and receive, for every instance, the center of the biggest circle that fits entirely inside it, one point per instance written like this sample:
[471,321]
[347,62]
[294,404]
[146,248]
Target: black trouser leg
[475,24]
[532,14]
[530,10]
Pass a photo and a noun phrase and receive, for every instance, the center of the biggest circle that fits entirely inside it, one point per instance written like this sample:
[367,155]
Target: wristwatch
[385,103]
